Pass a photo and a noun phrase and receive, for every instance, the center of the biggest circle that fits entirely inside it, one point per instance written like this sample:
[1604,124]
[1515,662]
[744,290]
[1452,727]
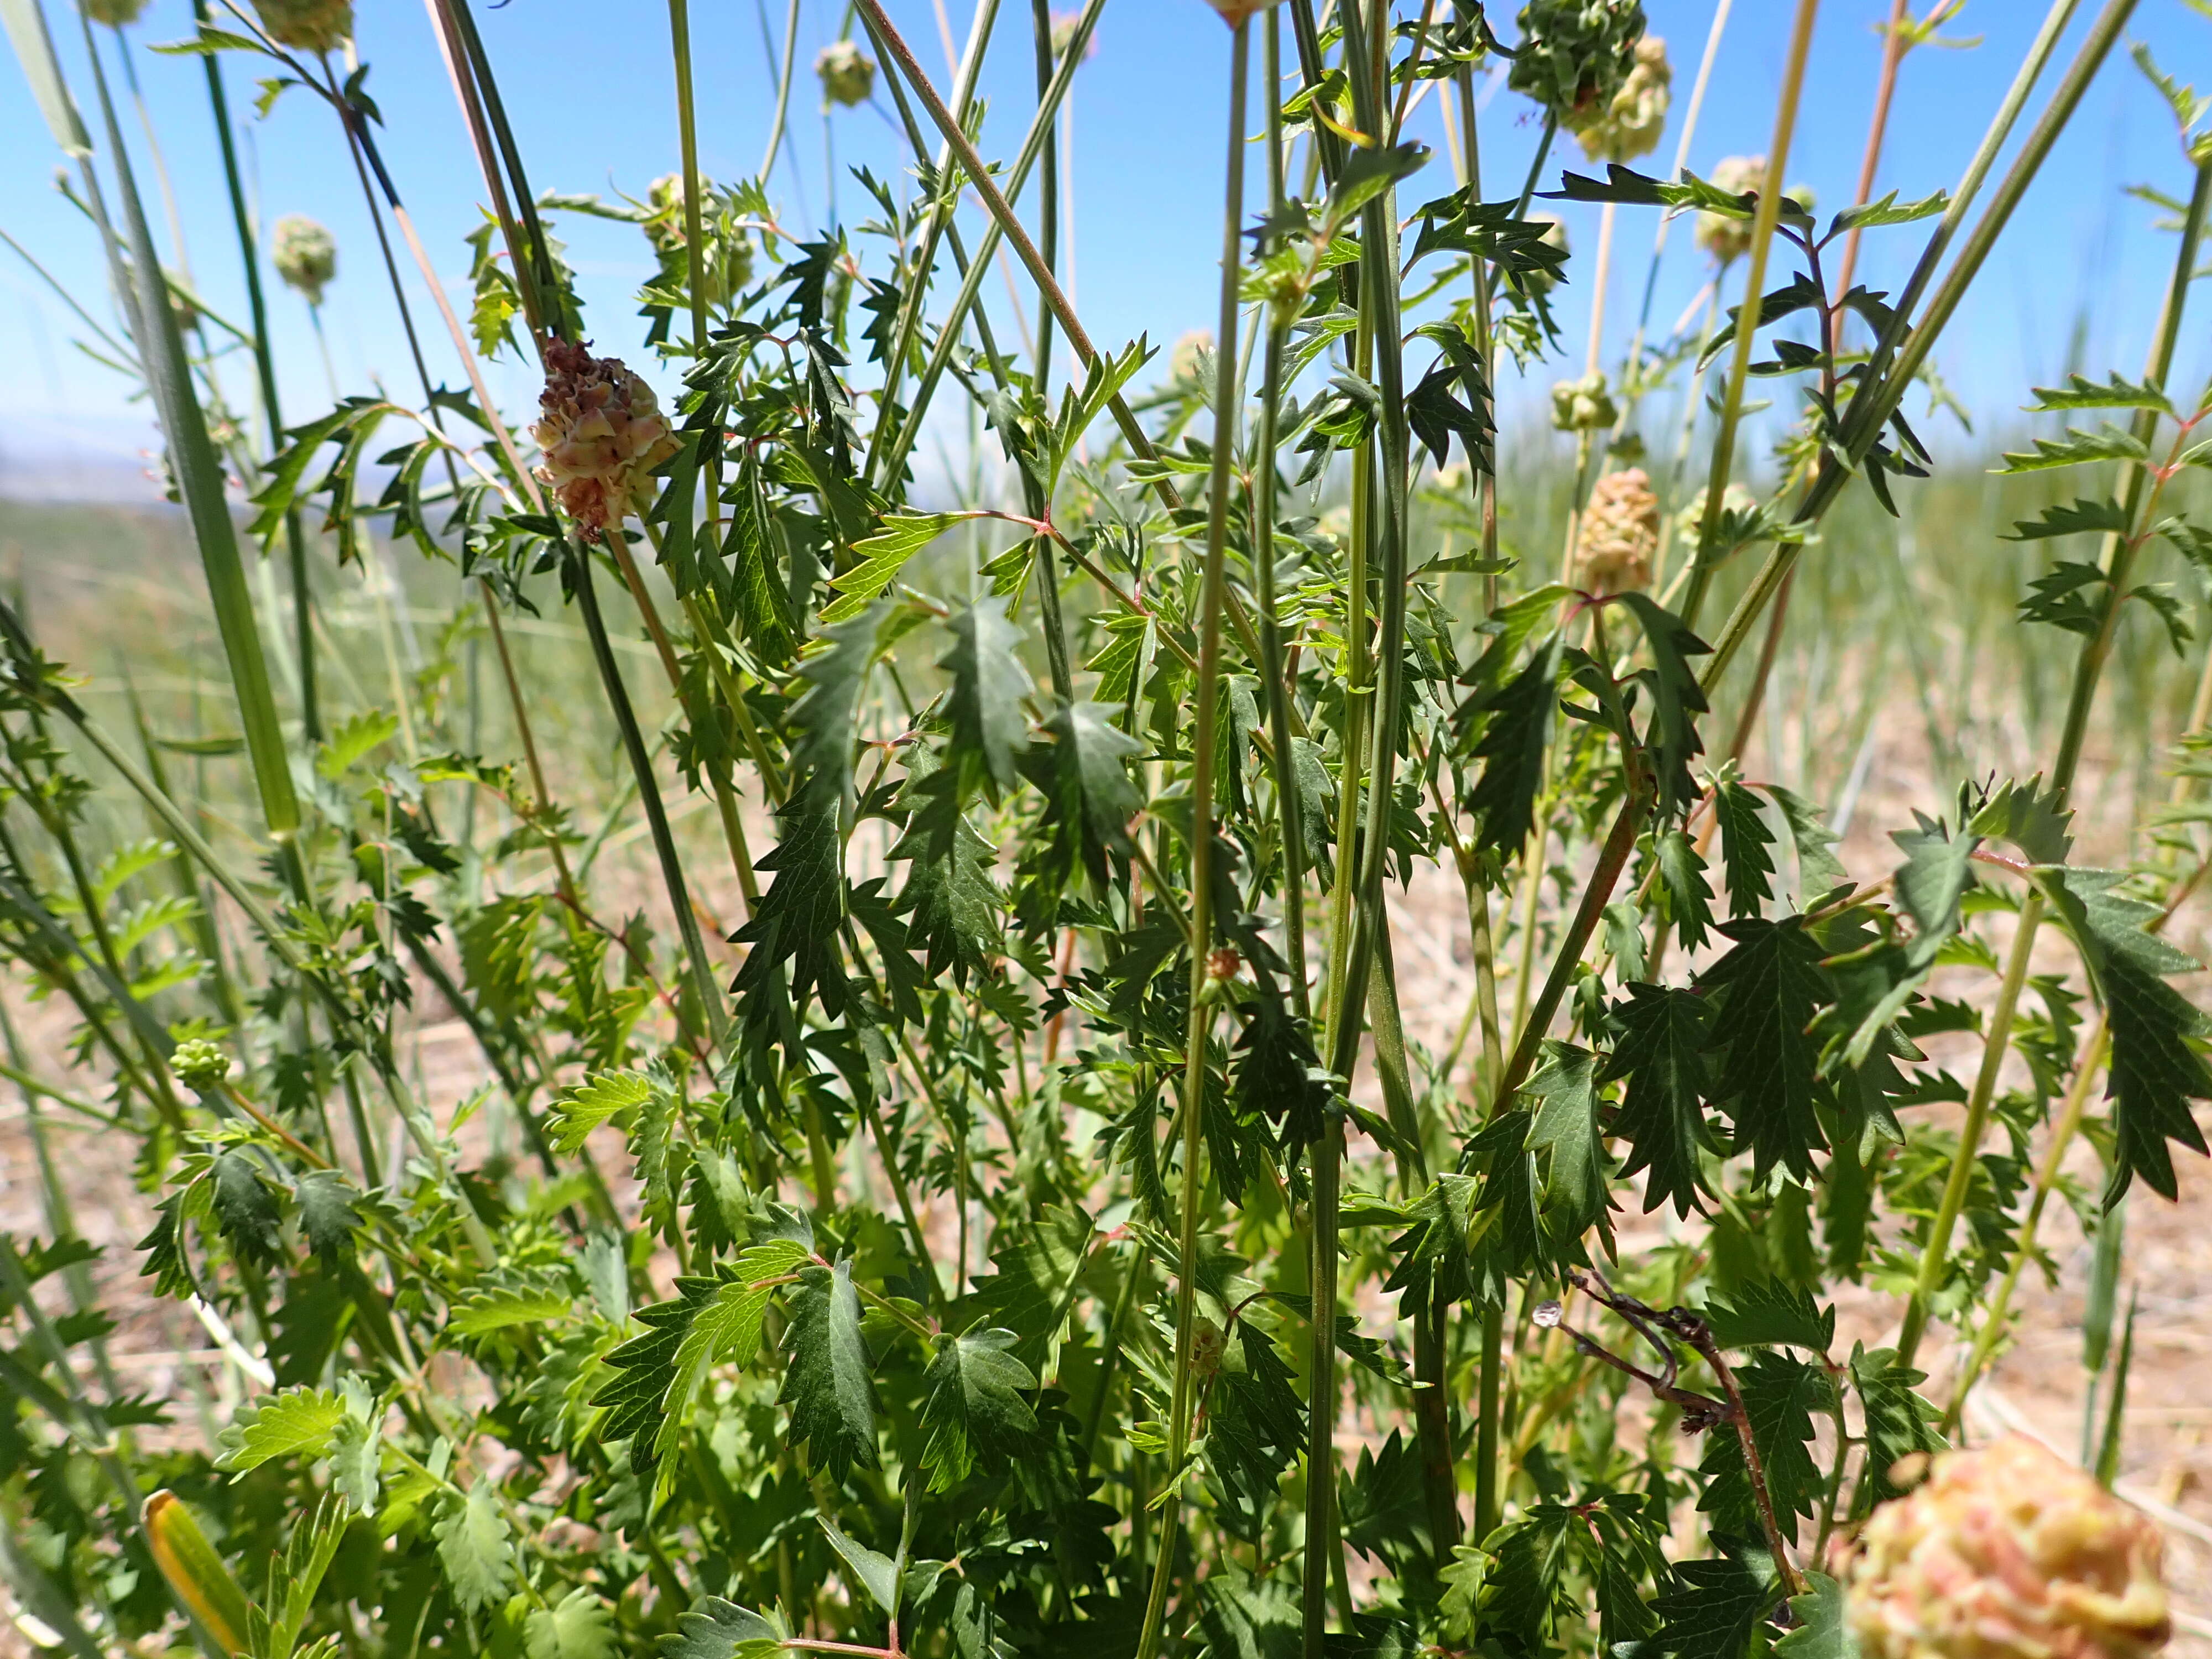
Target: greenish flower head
[305,255]
[306,25]
[1575,54]
[114,13]
[1583,405]
[200,1064]
[848,75]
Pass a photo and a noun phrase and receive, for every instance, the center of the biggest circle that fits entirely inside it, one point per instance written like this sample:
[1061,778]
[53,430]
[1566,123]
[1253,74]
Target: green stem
[648,789]
[783,92]
[1202,1001]
[2089,668]
[2046,1177]
[295,540]
[1871,409]
[1488,1508]
[1755,289]
[1290,819]
[199,479]
[887,463]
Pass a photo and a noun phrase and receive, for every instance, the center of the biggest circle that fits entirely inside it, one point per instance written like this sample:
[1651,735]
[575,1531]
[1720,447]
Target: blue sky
[591,89]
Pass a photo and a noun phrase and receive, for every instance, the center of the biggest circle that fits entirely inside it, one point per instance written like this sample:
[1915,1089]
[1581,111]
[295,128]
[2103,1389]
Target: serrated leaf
[1780,1395]
[1384,1504]
[1367,172]
[721,1630]
[1686,895]
[1037,1260]
[1768,1313]
[1527,1589]
[2155,1072]
[245,1206]
[1083,773]
[354,740]
[356,1449]
[1898,1420]
[2031,817]
[328,1216]
[295,1576]
[1564,1126]
[1888,210]
[880,557]
[499,1308]
[1747,867]
[591,1104]
[974,1414]
[578,1626]
[2083,517]
[1677,700]
[2107,443]
[1716,1605]
[1824,1627]
[2079,392]
[1256,1429]
[798,917]
[950,902]
[476,1549]
[1514,747]
[827,1384]
[296,1421]
[1660,1050]
[821,718]
[1818,869]
[1248,1618]
[1768,988]
[990,732]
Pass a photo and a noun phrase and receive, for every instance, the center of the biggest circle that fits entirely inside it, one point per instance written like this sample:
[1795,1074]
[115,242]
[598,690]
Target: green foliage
[573,1067]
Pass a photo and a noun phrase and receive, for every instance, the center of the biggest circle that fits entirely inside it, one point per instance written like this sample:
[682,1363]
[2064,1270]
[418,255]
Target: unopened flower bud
[848,75]
[114,13]
[306,25]
[2008,1551]
[304,254]
[198,1064]
[1629,124]
[1063,36]
[1583,405]
[602,432]
[1618,535]
[1575,54]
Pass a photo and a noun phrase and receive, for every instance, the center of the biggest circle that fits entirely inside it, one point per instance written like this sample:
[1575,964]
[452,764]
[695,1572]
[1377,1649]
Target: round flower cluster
[306,25]
[1629,124]
[848,75]
[1583,405]
[602,432]
[1575,54]
[114,13]
[2008,1552]
[1618,533]
[304,255]
[198,1064]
